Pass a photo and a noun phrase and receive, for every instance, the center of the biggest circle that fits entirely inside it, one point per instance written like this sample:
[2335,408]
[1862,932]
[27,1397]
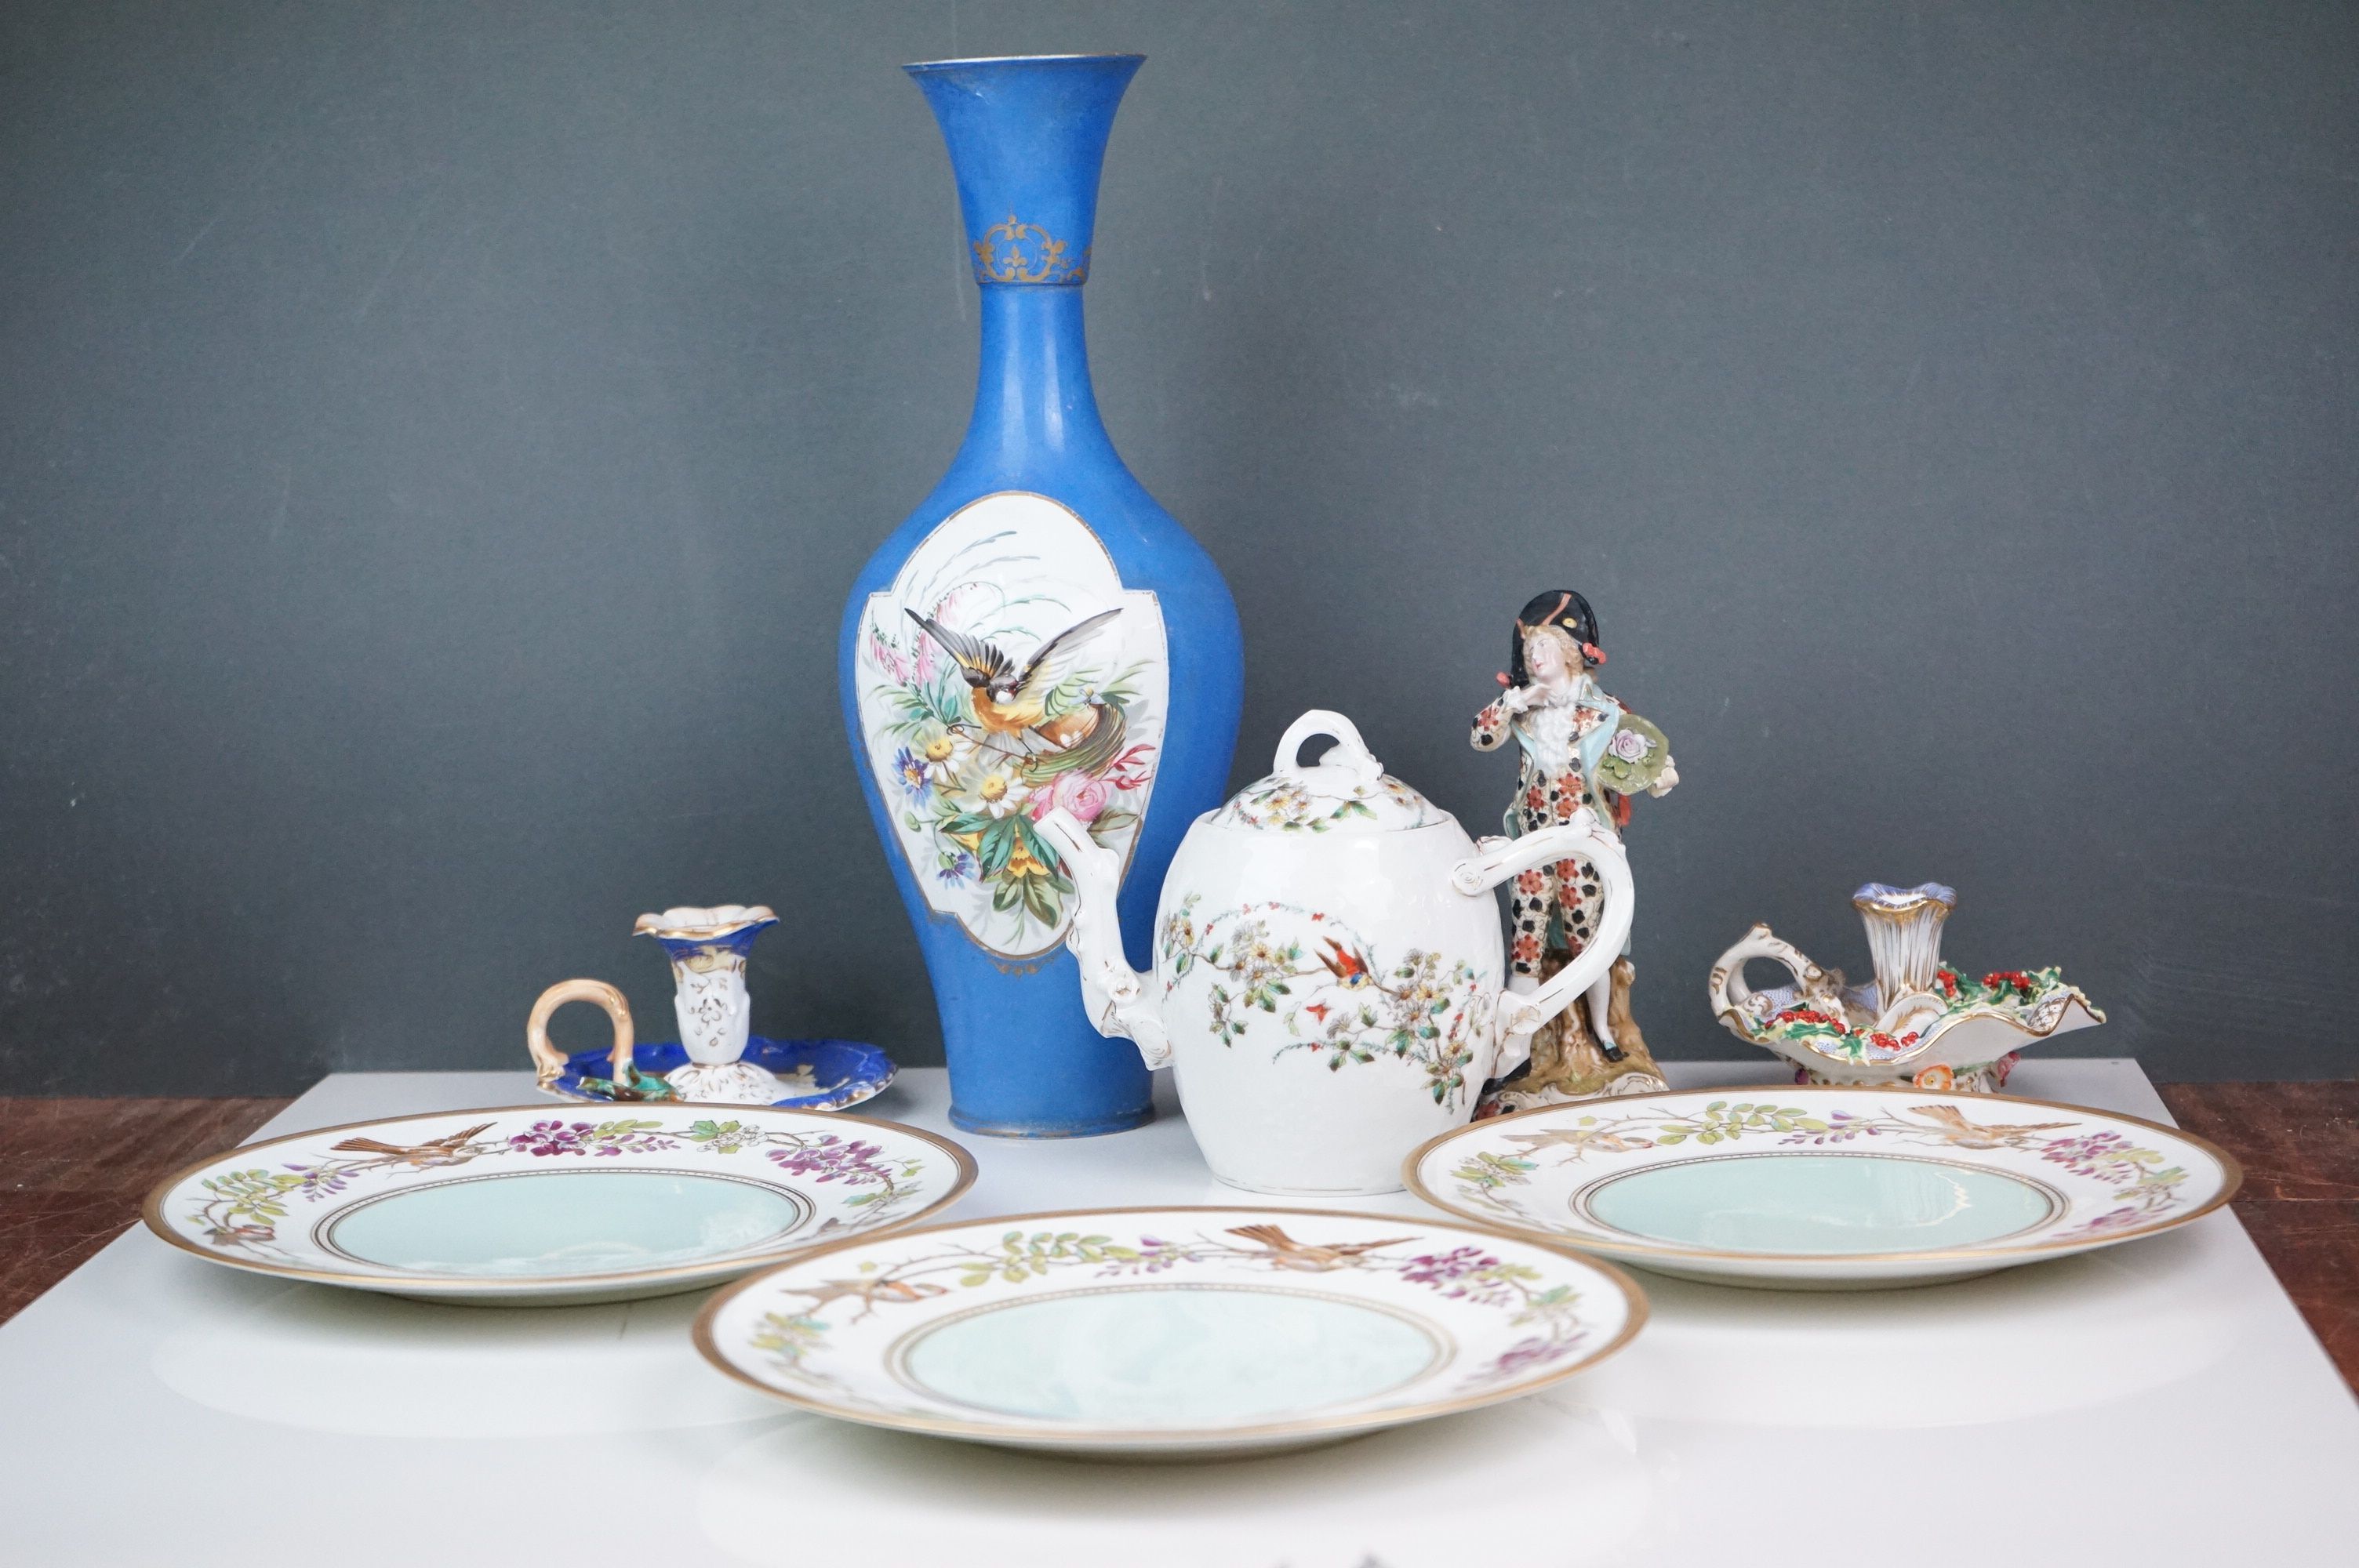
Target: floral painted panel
[1007,672]
[1327,990]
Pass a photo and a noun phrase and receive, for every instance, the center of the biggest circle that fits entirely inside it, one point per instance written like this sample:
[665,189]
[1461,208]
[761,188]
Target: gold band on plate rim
[2232,1173]
[1633,1301]
[151,1209]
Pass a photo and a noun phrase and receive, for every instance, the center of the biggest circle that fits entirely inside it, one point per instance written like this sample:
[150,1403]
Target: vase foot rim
[1094,1127]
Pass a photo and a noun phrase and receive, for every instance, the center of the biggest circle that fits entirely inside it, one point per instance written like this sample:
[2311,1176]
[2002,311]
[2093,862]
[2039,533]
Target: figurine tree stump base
[1568,1064]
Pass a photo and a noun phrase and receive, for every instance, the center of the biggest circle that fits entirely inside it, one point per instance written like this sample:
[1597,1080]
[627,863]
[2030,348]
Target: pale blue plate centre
[1818,1203]
[541,1223]
[1170,1356]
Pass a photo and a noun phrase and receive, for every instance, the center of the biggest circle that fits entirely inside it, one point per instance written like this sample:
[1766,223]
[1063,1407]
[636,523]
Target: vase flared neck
[1026,138]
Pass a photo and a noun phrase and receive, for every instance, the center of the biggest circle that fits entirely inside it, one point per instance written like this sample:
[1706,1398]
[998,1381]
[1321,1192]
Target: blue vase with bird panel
[1039,633]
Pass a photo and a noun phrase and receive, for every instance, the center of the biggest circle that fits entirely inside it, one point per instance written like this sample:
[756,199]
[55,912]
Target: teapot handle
[1499,859]
[1727,990]
[549,1062]
[1113,993]
[1349,753]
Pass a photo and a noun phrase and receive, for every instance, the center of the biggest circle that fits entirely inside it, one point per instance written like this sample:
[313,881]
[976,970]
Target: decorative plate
[521,1206]
[832,1073]
[1180,1333]
[1824,1188]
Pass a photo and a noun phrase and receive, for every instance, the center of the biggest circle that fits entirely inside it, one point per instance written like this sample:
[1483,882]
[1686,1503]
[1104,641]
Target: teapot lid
[1347,793]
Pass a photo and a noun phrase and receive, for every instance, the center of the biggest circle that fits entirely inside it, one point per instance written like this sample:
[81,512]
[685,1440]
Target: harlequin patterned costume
[1578,748]
[1587,750]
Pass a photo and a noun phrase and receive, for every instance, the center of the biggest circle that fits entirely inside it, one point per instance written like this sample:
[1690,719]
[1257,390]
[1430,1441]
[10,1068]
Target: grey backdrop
[435,440]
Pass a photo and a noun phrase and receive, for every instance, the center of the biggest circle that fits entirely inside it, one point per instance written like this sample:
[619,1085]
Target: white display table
[2156,1404]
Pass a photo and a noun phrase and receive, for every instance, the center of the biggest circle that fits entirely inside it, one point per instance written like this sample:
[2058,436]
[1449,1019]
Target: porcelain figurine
[724,1064]
[1579,750]
[1038,634]
[1920,1022]
[1330,983]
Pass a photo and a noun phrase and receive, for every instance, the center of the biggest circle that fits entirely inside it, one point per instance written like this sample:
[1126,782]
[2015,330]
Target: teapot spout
[1115,995]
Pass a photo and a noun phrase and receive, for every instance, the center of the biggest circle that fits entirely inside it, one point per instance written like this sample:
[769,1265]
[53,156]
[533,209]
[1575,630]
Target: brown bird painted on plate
[1964,1134]
[1012,701]
[1312,1257]
[867,1293]
[449,1150]
[1579,1139]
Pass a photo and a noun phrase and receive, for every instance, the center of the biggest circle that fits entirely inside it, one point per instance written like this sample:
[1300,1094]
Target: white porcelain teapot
[1329,968]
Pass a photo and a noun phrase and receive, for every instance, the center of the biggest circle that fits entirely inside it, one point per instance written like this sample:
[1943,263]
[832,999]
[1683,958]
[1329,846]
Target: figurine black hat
[1568,612]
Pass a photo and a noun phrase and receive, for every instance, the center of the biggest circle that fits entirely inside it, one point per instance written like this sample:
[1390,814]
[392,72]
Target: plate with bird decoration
[1824,1188]
[525,1205]
[1182,1333]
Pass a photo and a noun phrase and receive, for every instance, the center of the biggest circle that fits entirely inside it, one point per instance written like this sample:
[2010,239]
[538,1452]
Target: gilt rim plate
[754,1185]
[1178,1331]
[1987,1181]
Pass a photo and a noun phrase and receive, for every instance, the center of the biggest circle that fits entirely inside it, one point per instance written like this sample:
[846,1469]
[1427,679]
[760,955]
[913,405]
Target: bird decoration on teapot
[1579,750]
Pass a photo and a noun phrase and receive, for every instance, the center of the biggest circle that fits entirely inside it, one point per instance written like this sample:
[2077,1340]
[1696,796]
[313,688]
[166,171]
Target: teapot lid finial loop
[1349,753]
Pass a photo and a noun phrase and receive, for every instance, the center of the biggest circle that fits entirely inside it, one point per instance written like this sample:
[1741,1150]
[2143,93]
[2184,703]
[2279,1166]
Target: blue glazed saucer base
[841,1073]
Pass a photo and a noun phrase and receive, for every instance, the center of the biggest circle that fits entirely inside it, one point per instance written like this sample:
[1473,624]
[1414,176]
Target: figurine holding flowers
[1581,751]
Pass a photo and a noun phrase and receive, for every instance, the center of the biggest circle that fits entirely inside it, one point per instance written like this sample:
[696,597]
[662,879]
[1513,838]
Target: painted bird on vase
[449,1149]
[1312,1257]
[1012,701]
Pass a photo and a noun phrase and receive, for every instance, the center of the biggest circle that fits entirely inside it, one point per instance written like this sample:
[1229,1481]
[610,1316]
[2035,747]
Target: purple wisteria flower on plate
[1526,1353]
[1443,1267]
[853,1162]
[552,1138]
[318,1181]
[2091,1155]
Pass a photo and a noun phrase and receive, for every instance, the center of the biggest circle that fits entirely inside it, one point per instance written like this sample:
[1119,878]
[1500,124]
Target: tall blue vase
[1040,632]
